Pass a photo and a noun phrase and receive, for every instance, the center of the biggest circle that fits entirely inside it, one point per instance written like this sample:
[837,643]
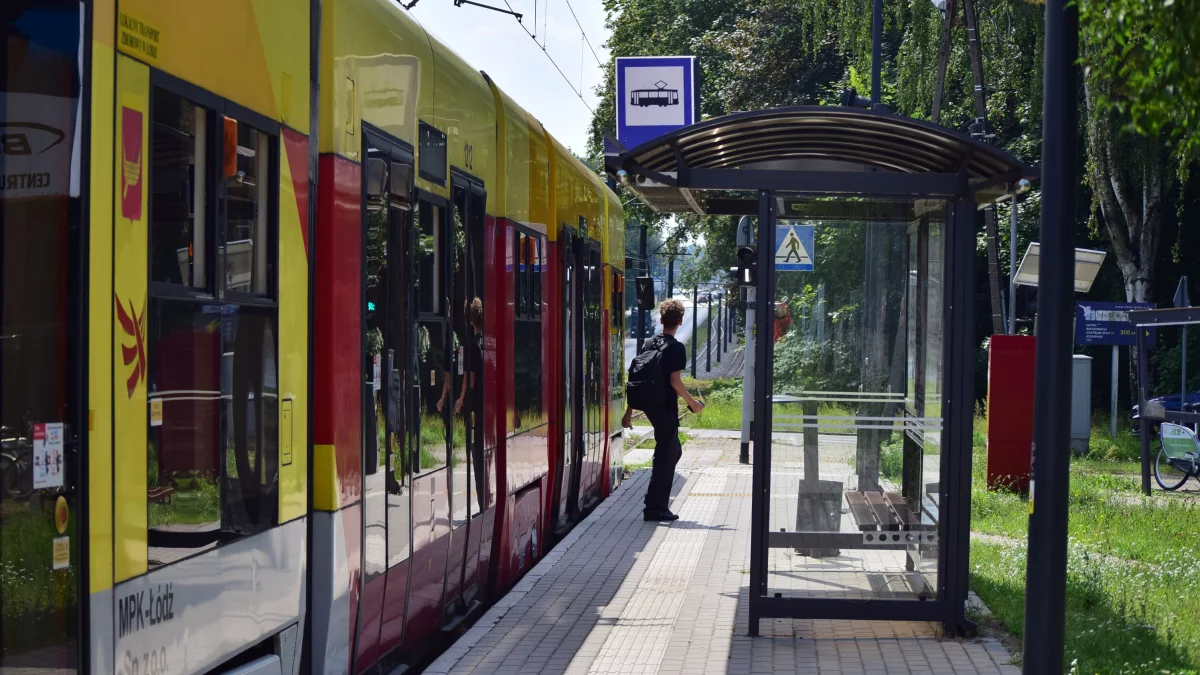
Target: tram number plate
[152,662]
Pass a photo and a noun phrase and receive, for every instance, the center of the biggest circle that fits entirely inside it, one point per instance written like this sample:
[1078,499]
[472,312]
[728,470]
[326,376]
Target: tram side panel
[337,422]
[209,330]
[521,357]
[421,536]
[103,171]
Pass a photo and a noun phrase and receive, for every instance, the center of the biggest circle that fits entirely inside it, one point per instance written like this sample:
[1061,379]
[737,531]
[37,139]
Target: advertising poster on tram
[38,157]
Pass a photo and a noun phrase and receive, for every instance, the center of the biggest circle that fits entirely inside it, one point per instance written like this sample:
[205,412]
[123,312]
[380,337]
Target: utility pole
[708,340]
[695,307]
[876,52]
[979,130]
[641,325]
[745,237]
[720,315]
[670,276]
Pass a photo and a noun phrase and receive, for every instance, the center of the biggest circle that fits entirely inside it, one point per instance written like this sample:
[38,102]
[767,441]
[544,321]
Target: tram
[312,338]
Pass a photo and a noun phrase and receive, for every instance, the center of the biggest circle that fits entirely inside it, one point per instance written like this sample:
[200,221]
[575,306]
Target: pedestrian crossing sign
[793,248]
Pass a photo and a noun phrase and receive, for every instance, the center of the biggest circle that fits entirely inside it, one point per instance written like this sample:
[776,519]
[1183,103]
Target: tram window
[433,369]
[250,419]
[245,251]
[527,347]
[617,336]
[523,274]
[429,259]
[184,444]
[463,432]
[376,363]
[179,191]
[535,279]
[213,441]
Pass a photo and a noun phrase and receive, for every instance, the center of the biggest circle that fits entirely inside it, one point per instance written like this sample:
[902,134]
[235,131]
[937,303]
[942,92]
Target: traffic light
[645,293]
[747,269]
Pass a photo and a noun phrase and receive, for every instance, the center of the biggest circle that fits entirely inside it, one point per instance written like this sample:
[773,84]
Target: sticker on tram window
[47,456]
[62,553]
[156,412]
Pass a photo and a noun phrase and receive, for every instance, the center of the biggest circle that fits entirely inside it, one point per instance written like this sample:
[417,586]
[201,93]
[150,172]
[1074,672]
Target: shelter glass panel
[853,458]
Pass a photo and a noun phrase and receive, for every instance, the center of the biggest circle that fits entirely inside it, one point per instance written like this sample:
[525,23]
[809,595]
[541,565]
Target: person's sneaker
[661,516]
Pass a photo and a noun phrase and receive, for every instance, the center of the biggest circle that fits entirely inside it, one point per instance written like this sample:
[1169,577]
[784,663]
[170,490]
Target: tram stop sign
[794,248]
[655,95]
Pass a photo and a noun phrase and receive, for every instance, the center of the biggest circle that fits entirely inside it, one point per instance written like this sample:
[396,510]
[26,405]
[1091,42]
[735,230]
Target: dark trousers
[666,455]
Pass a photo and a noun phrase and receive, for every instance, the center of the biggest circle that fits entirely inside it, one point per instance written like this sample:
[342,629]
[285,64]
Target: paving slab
[619,595]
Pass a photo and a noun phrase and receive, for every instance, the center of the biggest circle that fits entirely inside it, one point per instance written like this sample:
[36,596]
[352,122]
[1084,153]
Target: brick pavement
[619,595]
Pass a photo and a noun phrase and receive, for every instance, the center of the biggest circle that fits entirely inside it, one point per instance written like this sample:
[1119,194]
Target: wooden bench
[860,512]
[889,511]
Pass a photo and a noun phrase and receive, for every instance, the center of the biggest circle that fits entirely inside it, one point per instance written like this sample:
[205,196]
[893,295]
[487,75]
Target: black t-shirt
[674,359]
[475,344]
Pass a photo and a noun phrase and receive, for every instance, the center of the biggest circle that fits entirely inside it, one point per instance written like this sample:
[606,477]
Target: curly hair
[475,311]
[671,311]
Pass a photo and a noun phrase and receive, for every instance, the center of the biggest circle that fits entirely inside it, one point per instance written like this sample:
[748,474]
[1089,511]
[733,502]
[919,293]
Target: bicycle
[1178,456]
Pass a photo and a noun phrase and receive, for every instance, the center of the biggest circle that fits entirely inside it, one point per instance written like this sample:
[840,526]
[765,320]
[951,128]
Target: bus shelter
[864,357]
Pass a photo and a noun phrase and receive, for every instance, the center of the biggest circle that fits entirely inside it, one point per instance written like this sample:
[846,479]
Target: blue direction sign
[655,95]
[1107,323]
[794,248]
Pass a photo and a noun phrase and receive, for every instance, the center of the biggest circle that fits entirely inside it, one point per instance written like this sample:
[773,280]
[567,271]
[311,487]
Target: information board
[1107,323]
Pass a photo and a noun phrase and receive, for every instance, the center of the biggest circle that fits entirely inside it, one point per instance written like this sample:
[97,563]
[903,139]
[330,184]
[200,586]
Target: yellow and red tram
[312,337]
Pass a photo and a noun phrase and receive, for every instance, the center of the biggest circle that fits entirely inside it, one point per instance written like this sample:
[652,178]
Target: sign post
[1182,300]
[655,95]
[1112,403]
[1107,323]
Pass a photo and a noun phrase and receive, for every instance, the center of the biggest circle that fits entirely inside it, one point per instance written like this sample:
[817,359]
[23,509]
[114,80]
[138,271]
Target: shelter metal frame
[823,151]
[1141,320]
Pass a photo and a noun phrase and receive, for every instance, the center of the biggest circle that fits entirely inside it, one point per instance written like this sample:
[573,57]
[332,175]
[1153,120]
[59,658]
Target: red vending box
[1010,411]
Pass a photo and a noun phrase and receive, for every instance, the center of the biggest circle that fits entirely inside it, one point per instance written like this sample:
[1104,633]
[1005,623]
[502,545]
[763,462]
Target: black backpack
[647,389]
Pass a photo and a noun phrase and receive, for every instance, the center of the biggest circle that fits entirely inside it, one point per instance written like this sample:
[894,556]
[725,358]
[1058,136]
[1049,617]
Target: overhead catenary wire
[584,34]
[554,63]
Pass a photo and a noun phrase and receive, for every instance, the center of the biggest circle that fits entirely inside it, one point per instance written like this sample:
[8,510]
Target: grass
[1132,565]
[1132,605]
[37,601]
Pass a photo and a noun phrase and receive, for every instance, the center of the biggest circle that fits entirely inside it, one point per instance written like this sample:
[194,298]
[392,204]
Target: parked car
[1169,403]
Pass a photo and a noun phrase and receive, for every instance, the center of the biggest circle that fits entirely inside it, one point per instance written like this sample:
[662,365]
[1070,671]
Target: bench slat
[908,519]
[860,512]
[883,513]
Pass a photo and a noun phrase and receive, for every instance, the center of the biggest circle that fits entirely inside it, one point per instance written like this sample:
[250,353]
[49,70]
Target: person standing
[666,358]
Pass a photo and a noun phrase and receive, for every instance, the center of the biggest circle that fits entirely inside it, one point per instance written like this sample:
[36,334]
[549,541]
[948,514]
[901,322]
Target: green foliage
[1145,50]
[1127,563]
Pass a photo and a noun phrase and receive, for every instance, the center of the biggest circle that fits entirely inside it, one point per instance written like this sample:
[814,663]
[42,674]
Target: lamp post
[1046,563]
[695,307]
[708,340]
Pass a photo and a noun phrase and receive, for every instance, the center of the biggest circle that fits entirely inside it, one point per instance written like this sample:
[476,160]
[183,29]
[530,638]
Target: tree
[1142,95]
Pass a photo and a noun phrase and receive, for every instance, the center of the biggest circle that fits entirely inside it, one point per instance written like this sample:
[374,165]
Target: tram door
[593,404]
[387,491]
[573,431]
[41,392]
[468,491]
